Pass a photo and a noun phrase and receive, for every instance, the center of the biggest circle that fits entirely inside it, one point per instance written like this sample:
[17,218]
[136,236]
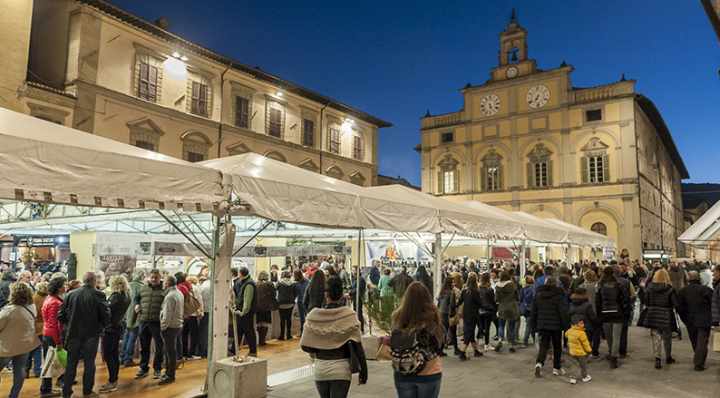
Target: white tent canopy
[704,229]
[43,161]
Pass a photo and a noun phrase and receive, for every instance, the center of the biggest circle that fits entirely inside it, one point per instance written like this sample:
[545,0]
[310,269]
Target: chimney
[162,23]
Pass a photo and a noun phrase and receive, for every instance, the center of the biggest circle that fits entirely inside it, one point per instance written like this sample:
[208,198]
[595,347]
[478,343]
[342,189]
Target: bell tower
[513,58]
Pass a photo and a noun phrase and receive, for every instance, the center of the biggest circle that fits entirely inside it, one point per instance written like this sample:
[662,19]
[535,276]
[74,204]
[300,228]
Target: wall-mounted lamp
[179,56]
[279,94]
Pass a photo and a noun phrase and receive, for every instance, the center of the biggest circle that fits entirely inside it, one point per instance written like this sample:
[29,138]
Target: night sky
[396,59]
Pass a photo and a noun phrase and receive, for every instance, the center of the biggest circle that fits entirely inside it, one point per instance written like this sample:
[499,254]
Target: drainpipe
[321,135]
[222,107]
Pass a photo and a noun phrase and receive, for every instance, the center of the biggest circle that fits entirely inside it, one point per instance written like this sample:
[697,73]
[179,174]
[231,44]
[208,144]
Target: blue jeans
[128,348]
[80,350]
[511,329]
[35,360]
[528,331]
[19,362]
[301,313]
[424,389]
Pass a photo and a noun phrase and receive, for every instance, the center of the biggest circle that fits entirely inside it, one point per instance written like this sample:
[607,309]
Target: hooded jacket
[611,301]
[527,296]
[581,308]
[549,311]
[507,299]
[578,343]
[285,293]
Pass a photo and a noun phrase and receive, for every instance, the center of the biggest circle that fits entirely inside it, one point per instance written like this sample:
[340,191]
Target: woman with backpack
[416,343]
[333,339]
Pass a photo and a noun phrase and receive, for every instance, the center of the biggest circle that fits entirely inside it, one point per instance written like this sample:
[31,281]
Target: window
[275,123]
[195,146]
[334,138]
[145,145]
[593,115]
[491,173]
[594,165]
[147,82]
[242,112]
[308,137]
[448,176]
[357,148]
[199,98]
[599,228]
[447,137]
[539,167]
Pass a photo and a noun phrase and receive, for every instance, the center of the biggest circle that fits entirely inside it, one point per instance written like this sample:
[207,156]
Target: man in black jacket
[549,318]
[84,314]
[696,312]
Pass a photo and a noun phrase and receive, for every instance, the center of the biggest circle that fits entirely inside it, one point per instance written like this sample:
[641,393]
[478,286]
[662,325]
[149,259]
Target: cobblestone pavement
[511,375]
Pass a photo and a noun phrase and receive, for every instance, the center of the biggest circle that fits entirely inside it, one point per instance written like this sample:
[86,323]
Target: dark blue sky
[397,59]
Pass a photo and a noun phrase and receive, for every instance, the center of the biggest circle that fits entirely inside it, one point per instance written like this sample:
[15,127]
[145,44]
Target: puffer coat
[506,295]
[550,310]
[661,302]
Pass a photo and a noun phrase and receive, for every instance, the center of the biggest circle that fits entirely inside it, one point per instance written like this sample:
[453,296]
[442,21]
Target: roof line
[657,120]
[287,85]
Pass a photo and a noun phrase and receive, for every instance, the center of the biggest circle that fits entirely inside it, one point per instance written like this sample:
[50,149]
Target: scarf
[330,328]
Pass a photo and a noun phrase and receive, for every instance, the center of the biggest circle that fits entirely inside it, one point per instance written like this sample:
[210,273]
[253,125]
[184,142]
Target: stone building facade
[527,139]
[95,67]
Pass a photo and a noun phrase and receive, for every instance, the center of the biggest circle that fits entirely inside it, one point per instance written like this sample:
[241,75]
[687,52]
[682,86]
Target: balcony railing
[447,119]
[602,92]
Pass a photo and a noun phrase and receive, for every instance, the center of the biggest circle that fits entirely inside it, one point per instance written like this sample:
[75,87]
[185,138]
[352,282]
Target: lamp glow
[176,54]
[279,94]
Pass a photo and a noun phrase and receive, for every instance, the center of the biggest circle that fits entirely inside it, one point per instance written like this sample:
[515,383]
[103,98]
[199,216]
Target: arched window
[539,167]
[195,146]
[145,134]
[599,228]
[448,176]
[594,165]
[491,173]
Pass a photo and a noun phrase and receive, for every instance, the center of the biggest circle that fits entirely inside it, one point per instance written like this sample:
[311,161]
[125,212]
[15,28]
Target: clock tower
[513,58]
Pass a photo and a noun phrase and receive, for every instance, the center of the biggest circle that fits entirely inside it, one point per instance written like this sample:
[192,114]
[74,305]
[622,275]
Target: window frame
[443,137]
[334,140]
[358,149]
[242,115]
[308,135]
[200,98]
[275,127]
[593,110]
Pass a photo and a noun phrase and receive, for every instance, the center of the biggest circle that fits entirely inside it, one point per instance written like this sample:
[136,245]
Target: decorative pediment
[492,158]
[308,164]
[357,178]
[539,153]
[448,163]
[195,136]
[145,124]
[594,145]
[335,172]
[276,156]
[238,149]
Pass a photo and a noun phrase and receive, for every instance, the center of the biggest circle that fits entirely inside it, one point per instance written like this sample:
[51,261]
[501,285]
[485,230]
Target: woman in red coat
[52,328]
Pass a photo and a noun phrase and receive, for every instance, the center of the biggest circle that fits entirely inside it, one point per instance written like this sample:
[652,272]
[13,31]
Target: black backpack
[407,358]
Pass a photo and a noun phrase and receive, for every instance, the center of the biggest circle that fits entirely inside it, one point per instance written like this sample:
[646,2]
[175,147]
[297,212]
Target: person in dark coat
[422,276]
[471,302]
[695,310]
[315,292]
[549,318]
[286,303]
[580,307]
[358,297]
[8,278]
[716,297]
[400,282]
[266,303]
[119,302]
[488,308]
[85,314]
[661,301]
[611,304]
[508,310]
[300,287]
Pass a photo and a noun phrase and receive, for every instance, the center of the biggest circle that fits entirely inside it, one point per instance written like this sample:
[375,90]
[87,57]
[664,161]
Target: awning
[704,229]
[46,162]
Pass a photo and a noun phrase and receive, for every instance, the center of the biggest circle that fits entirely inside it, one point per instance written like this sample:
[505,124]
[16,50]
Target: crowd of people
[564,310]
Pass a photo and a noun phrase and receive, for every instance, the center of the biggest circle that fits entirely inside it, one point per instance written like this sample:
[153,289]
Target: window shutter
[549,172]
[152,83]
[606,168]
[483,178]
[584,169]
[440,182]
[456,176]
[207,104]
[530,175]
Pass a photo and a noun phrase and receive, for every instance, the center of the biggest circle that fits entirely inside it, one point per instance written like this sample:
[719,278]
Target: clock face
[511,72]
[538,96]
[490,105]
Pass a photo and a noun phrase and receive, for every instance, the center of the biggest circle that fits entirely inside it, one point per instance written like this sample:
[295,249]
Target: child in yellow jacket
[579,347]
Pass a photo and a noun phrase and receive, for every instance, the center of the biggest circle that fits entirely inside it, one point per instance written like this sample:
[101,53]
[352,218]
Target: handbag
[642,318]
[52,364]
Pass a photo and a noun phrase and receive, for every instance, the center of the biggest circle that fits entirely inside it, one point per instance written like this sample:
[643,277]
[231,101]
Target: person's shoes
[586,379]
[477,354]
[699,368]
[166,380]
[51,394]
[488,347]
[109,387]
[195,358]
[462,356]
[141,374]
[572,380]
[281,338]
[496,338]
[614,363]
[558,372]
[538,369]
[129,364]
[253,354]
[512,349]
[157,374]
[670,360]
[91,394]
[443,354]
[499,346]
[623,356]
[457,351]
[658,363]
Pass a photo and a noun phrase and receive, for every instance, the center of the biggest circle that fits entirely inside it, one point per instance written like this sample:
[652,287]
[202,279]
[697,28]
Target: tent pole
[255,235]
[177,228]
[360,259]
[437,278]
[523,265]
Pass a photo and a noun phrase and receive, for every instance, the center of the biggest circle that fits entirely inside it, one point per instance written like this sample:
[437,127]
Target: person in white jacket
[171,323]
[17,333]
